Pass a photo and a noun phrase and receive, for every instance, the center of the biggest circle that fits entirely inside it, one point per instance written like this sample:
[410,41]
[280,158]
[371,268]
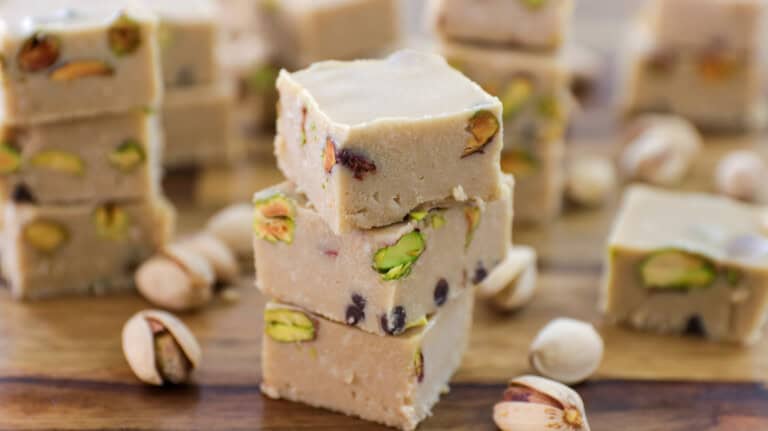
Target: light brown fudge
[539,183]
[237,18]
[714,88]
[381,280]
[112,156]
[390,380]
[76,58]
[52,251]
[197,126]
[680,263]
[734,24]
[370,140]
[534,89]
[188,38]
[532,24]
[302,32]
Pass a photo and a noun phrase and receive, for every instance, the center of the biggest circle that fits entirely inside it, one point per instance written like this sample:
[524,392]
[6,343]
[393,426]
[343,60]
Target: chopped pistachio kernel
[437,220]
[418,365]
[81,69]
[418,215]
[519,162]
[676,269]
[59,161]
[516,95]
[472,216]
[288,325]
[127,156]
[395,261]
[417,323]
[45,236]
[261,79]
[10,158]
[111,221]
[549,108]
[482,127]
[534,4]
[124,36]
[274,219]
[39,52]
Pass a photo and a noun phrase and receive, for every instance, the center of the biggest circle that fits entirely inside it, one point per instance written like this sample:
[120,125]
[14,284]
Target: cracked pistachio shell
[567,350]
[512,283]
[177,279]
[551,405]
[139,345]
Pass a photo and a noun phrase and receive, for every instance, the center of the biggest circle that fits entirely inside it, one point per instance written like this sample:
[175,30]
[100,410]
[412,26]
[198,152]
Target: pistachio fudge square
[370,140]
[62,250]
[682,262]
[539,183]
[75,58]
[389,380]
[381,280]
[529,24]
[107,156]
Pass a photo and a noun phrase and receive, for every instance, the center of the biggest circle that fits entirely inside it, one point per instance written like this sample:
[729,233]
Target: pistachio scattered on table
[741,175]
[219,256]
[512,284]
[233,225]
[566,350]
[176,279]
[591,181]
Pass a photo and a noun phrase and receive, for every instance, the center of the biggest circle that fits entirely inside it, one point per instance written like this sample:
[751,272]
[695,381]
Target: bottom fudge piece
[391,380]
[687,263]
[382,280]
[196,123]
[50,251]
[539,183]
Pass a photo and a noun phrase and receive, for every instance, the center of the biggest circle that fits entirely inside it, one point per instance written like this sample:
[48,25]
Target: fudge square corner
[369,141]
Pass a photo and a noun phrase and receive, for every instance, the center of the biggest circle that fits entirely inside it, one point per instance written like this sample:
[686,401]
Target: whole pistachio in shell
[534,403]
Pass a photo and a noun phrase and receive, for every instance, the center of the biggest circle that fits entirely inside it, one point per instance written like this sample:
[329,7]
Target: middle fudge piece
[369,141]
[381,280]
[688,263]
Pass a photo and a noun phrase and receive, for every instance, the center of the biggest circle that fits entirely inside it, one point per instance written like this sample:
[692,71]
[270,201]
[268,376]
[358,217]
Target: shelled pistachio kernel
[124,36]
[39,52]
[274,219]
[59,161]
[516,95]
[482,127]
[676,269]
[127,156]
[111,221]
[396,261]
[472,217]
[329,155]
[10,158]
[519,162]
[45,235]
[159,348]
[418,365]
[535,403]
[289,325]
[81,69]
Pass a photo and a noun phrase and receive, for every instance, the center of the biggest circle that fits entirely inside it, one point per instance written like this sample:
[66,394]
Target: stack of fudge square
[701,59]
[79,156]
[260,37]
[514,50]
[395,207]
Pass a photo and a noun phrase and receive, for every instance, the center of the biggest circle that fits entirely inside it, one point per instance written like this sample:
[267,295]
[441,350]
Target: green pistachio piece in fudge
[124,36]
[437,220]
[418,365]
[482,128]
[274,218]
[472,217]
[111,222]
[534,4]
[81,69]
[127,156]
[58,161]
[395,261]
[676,269]
[519,162]
[286,325]
[261,79]
[549,107]
[10,158]
[39,52]
[516,95]
[45,235]
[417,216]
[329,155]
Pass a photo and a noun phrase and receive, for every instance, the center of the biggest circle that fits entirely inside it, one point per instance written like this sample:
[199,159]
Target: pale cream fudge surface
[713,88]
[301,32]
[370,140]
[534,90]
[237,18]
[197,126]
[539,183]
[188,38]
[681,263]
[52,251]
[112,156]
[381,280]
[76,58]
[390,380]
[532,24]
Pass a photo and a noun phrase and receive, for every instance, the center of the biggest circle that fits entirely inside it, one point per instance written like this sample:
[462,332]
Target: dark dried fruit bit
[124,36]
[358,164]
[519,162]
[10,158]
[22,194]
[480,273]
[356,310]
[516,95]
[59,161]
[695,326]
[127,156]
[81,69]
[472,217]
[395,261]
[286,325]
[45,236]
[274,219]
[676,269]
[441,292]
[111,221]
[482,127]
[39,52]
[418,365]
[394,324]
[329,155]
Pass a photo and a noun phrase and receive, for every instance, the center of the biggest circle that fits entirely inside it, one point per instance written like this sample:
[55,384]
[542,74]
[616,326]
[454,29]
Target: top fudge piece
[732,25]
[368,141]
[304,31]
[679,261]
[75,58]
[534,24]
[188,36]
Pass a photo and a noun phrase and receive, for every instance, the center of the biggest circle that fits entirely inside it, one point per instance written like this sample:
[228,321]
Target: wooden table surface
[61,365]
